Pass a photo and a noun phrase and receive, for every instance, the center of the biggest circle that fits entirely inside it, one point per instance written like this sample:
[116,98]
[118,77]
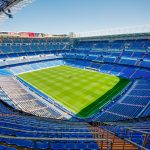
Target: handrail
[128,130]
[53,139]
[124,127]
[43,132]
[143,132]
[65,125]
[143,148]
[75,140]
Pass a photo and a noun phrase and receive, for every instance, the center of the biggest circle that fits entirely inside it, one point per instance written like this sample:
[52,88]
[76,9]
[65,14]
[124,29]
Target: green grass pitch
[82,91]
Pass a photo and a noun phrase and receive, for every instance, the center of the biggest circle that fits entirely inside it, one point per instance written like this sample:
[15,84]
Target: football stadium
[77,91]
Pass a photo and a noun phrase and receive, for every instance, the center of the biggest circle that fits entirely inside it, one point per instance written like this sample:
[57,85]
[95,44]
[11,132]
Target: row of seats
[34,66]
[28,102]
[107,58]
[18,45]
[131,105]
[115,69]
[26,131]
[128,52]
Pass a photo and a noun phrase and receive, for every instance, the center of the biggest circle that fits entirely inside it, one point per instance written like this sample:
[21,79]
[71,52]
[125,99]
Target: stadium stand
[100,55]
[132,104]
[30,119]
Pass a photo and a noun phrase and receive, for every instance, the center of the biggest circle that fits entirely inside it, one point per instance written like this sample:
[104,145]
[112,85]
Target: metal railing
[136,137]
[50,141]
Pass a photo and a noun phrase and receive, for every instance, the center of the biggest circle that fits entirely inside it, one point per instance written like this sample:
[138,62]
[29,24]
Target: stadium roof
[115,31]
[10,7]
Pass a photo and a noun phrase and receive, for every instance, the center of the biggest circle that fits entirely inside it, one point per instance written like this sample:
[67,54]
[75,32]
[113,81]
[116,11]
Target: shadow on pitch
[101,101]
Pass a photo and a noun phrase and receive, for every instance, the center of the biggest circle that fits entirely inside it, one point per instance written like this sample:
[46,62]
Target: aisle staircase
[116,144]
